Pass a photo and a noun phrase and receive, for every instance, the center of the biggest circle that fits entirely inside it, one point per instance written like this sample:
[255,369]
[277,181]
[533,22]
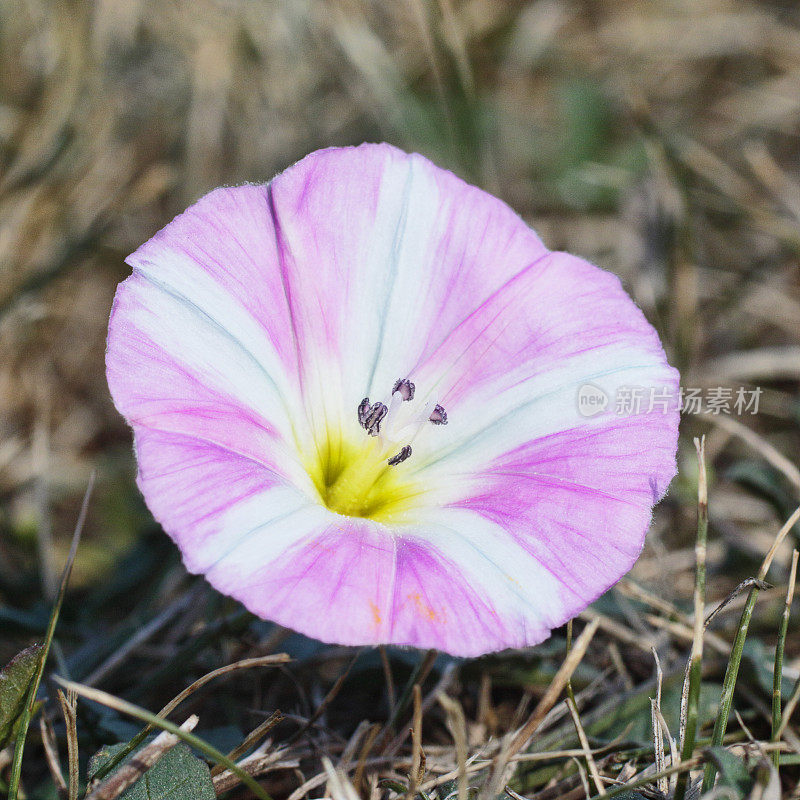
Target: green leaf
[588,121]
[451,792]
[733,771]
[766,482]
[15,679]
[447,789]
[628,715]
[630,796]
[395,786]
[757,660]
[178,775]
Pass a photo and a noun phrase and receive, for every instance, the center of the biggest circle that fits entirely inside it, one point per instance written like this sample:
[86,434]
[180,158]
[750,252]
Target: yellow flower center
[354,478]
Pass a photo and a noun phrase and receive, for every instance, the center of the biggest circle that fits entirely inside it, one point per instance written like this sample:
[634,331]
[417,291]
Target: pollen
[423,608]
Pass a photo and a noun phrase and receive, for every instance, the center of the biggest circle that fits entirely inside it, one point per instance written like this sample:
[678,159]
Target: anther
[401,456]
[405,387]
[374,417]
[438,415]
[363,411]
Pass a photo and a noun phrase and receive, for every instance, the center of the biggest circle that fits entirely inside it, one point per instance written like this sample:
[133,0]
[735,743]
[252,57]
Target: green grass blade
[418,675]
[25,718]
[732,671]
[155,721]
[246,663]
[777,679]
[696,668]
[570,693]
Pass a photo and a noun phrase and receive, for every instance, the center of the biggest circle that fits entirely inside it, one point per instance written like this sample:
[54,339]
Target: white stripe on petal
[219,347]
[522,590]
[257,531]
[485,426]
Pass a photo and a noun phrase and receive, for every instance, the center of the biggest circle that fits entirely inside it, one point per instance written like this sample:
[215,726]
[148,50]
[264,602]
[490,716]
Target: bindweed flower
[354,393]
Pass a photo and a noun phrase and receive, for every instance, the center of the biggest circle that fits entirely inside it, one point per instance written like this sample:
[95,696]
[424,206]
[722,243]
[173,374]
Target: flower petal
[571,493]
[401,251]
[355,582]
[512,370]
[212,501]
[572,507]
[174,368]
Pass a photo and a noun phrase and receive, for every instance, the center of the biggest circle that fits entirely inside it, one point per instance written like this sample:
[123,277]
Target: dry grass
[658,139]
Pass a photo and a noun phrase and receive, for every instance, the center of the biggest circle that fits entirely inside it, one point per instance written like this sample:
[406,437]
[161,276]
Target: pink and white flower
[264,351]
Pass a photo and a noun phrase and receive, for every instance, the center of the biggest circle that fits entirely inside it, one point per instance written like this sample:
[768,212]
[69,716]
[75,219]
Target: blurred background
[657,138]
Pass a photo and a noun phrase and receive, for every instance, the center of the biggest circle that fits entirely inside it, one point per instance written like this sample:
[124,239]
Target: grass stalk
[777,678]
[587,751]
[69,709]
[251,740]
[570,693]
[696,666]
[515,742]
[27,714]
[789,708]
[247,663]
[124,707]
[732,671]
[418,675]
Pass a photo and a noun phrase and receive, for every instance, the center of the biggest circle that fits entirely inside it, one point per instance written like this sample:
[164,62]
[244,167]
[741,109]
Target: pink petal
[578,503]
[210,500]
[354,582]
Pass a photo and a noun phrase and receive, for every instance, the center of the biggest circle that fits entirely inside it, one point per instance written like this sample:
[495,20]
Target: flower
[354,398]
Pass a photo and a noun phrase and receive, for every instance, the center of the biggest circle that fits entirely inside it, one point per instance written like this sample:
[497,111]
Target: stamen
[404,453]
[438,415]
[394,408]
[405,387]
[363,410]
[398,426]
[374,417]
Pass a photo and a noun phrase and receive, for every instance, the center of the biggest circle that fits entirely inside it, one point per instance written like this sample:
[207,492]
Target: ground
[657,139]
